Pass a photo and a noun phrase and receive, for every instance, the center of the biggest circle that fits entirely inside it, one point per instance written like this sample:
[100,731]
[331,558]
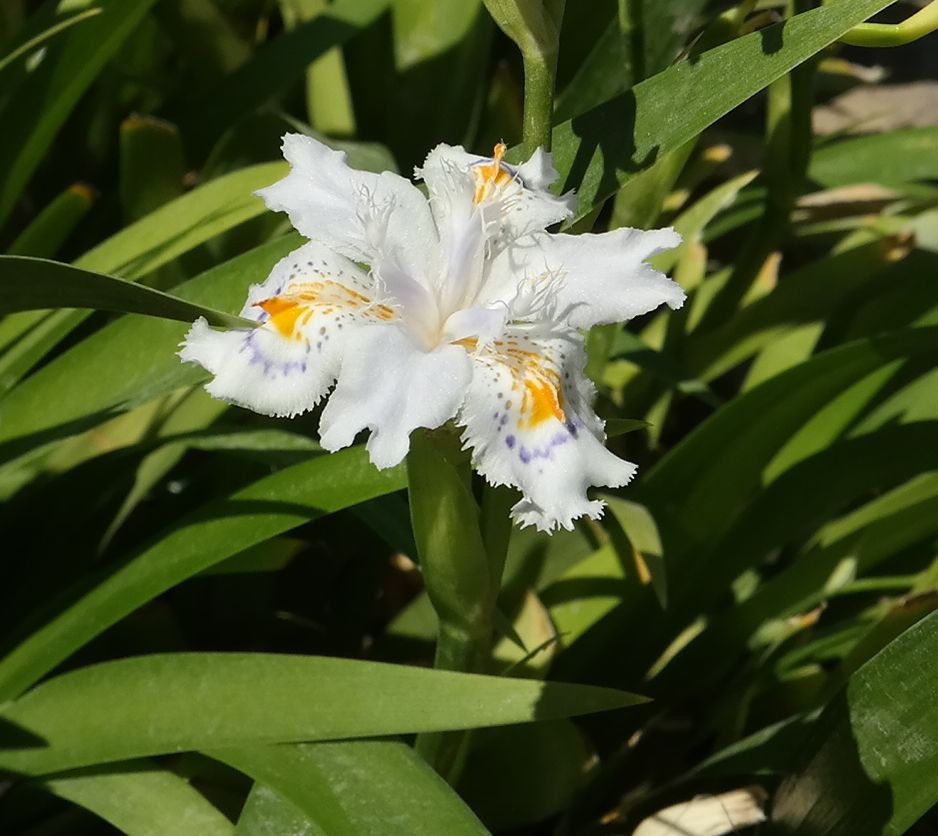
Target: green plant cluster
[210,627]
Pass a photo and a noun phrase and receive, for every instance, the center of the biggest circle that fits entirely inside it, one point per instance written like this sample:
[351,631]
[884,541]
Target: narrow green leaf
[266,508]
[359,788]
[893,157]
[46,35]
[183,223]
[87,383]
[328,98]
[35,283]
[59,81]
[275,66]
[871,762]
[52,226]
[691,491]
[146,245]
[145,706]
[141,799]
[152,165]
[267,813]
[601,149]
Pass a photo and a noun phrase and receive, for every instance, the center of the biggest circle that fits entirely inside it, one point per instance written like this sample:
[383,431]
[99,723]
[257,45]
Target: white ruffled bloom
[458,307]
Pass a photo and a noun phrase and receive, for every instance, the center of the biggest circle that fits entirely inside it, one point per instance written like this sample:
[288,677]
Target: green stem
[539,73]
[922,23]
[456,650]
[462,553]
[631,26]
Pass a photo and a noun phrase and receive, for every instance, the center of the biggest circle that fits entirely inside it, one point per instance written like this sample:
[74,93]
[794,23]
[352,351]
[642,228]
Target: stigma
[492,175]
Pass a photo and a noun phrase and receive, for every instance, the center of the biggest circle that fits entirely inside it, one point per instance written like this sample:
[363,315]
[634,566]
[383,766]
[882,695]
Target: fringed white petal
[597,279]
[512,200]
[382,220]
[529,420]
[391,386]
[307,307]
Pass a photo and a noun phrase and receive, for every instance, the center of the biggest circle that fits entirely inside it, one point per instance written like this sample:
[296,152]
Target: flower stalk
[534,25]
[461,567]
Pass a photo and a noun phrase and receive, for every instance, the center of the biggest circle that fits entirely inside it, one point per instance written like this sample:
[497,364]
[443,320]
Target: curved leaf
[291,497]
[600,150]
[141,799]
[34,283]
[60,80]
[871,762]
[126,363]
[358,788]
[175,702]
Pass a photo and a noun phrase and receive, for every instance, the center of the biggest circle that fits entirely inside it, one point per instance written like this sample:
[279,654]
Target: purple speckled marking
[546,452]
[510,441]
[257,357]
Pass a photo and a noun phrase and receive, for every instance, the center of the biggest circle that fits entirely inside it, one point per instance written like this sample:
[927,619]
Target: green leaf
[183,223]
[36,283]
[328,98]
[152,165]
[524,774]
[48,95]
[600,150]
[266,508]
[145,706]
[146,245]
[52,226]
[36,42]
[621,426]
[266,813]
[275,66]
[438,50]
[698,497]
[808,296]
[847,548]
[692,492]
[87,383]
[141,799]
[890,158]
[871,762]
[359,788]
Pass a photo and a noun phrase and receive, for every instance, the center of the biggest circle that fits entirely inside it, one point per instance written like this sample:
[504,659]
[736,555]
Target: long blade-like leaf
[176,702]
[264,509]
[871,764]
[36,283]
[600,150]
[356,788]
[139,797]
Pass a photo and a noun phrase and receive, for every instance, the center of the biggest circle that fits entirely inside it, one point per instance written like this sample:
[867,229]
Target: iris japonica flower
[460,306]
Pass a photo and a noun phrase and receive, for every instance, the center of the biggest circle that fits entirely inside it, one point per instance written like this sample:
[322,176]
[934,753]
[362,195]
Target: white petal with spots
[529,421]
[314,299]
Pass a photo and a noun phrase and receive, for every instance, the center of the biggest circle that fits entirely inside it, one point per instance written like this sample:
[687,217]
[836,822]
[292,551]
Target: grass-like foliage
[213,627]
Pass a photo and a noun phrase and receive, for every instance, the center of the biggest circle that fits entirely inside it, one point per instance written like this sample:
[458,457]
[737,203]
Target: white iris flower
[420,311]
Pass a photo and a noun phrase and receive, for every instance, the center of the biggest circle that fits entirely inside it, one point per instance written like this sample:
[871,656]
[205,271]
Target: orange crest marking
[302,301]
[284,313]
[542,398]
[541,402]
